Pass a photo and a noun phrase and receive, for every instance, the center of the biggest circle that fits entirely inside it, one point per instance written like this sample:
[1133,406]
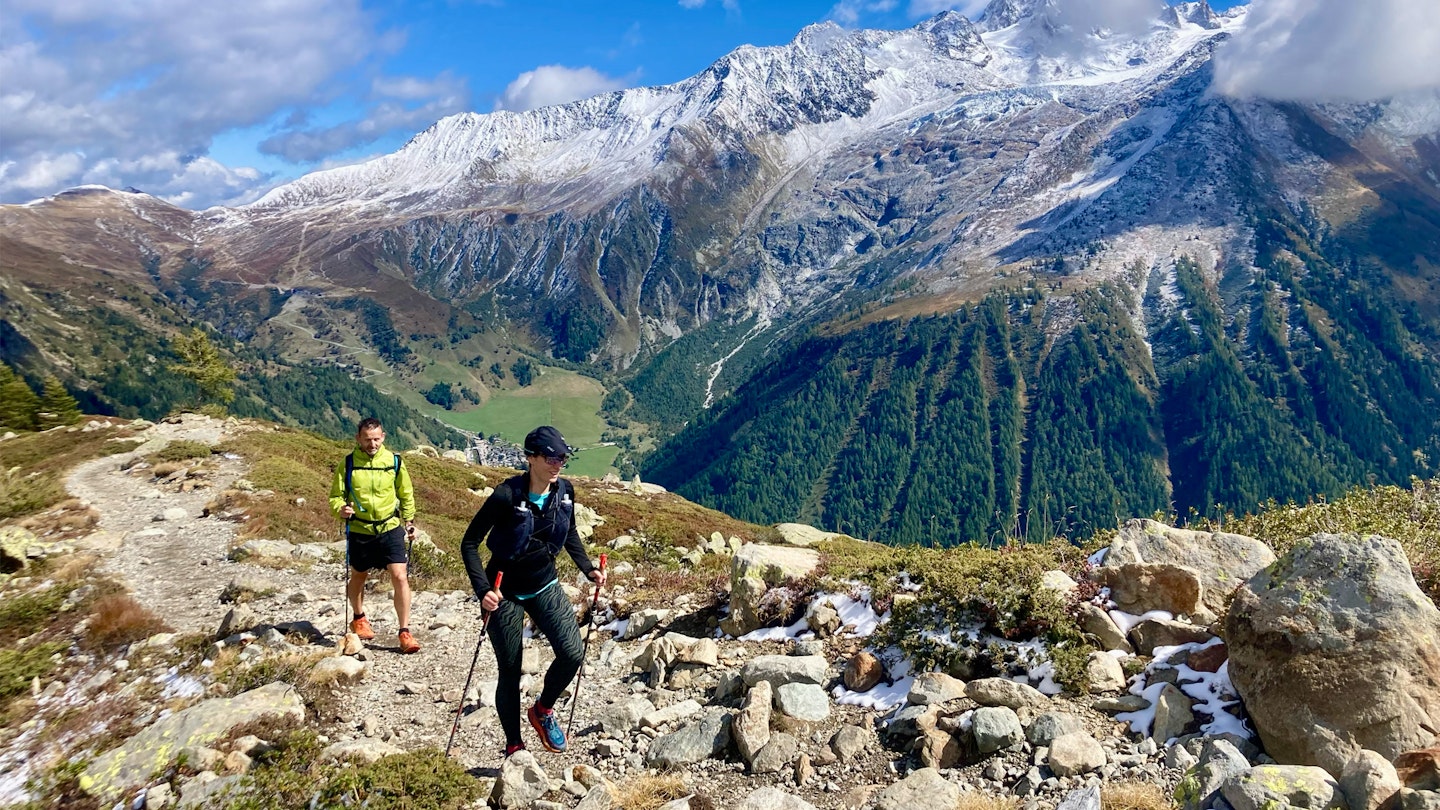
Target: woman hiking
[528,519]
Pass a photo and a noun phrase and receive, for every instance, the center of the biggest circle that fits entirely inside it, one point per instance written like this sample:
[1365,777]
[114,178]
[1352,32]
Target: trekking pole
[484,626]
[589,630]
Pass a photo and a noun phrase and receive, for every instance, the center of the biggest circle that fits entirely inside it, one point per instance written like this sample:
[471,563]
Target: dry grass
[667,518]
[982,801]
[649,792]
[165,469]
[118,619]
[1133,796]
[68,519]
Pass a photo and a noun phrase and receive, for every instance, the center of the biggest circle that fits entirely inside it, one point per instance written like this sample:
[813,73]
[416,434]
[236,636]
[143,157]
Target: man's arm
[338,495]
[405,491]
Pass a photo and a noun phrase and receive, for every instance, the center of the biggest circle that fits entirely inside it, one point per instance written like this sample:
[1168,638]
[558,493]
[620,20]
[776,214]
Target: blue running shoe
[551,735]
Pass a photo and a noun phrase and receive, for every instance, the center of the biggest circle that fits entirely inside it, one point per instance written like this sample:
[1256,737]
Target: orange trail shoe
[408,644]
[361,627]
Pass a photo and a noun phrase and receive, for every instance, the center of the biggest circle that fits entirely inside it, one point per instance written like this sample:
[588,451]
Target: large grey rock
[705,738]
[1219,761]
[799,534]
[849,742]
[1419,799]
[994,728]
[1220,560]
[935,687]
[150,751]
[670,714]
[1267,787]
[923,789]
[754,569]
[521,781]
[782,669]
[1075,753]
[1152,633]
[803,701]
[1083,799]
[1045,728]
[1140,587]
[207,789]
[1096,622]
[1336,641]
[781,750]
[1368,781]
[238,619]
[769,798]
[624,715]
[751,728]
[1104,673]
[1002,692]
[1174,712]
[14,543]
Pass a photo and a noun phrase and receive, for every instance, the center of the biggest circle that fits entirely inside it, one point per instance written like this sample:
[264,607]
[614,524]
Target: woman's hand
[597,576]
[490,601]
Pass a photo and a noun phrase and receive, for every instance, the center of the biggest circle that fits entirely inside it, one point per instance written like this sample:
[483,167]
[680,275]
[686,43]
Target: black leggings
[553,614]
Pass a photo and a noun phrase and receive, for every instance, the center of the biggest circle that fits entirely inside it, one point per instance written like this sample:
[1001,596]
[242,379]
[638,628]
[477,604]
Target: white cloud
[137,91]
[929,8]
[442,96]
[1332,50]
[732,6]
[555,84]
[848,12]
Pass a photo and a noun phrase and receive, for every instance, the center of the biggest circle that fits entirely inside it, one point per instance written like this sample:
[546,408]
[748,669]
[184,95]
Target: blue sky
[215,102]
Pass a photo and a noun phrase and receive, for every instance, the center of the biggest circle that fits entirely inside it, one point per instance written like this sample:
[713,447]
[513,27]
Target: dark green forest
[1032,416]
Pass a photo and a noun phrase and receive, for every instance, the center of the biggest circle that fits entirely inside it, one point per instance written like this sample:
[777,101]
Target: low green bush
[180,450]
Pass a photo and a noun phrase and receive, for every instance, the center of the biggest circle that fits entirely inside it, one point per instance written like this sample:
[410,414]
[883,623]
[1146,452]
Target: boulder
[1104,673]
[705,738]
[751,728]
[1083,799]
[1219,761]
[1075,753]
[1174,712]
[799,534]
[262,549]
[1141,587]
[1337,638]
[995,728]
[822,619]
[781,750]
[155,747]
[863,672]
[1003,692]
[1151,633]
[754,569]
[935,687]
[1419,770]
[923,789]
[1051,725]
[1096,622]
[1265,787]
[937,743]
[849,742]
[1369,781]
[782,669]
[802,701]
[1419,799]
[521,781]
[1221,561]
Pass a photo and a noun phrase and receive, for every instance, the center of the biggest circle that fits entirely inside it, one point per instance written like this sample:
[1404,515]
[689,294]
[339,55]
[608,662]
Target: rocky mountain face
[685,237]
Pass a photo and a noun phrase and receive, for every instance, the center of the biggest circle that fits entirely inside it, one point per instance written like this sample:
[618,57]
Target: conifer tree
[57,407]
[18,403]
[203,363]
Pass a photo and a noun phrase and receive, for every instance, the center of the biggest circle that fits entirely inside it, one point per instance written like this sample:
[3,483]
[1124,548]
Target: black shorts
[367,552]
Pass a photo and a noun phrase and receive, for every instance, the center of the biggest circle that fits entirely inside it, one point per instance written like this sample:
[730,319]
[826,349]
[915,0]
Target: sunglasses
[559,461]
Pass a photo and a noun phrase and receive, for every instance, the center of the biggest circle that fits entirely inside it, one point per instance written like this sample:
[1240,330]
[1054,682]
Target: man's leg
[355,591]
[401,583]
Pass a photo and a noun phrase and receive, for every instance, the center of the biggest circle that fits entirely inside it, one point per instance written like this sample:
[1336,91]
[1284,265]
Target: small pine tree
[203,363]
[18,403]
[57,407]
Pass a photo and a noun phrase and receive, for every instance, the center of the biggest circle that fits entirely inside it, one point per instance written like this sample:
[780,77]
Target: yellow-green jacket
[380,491]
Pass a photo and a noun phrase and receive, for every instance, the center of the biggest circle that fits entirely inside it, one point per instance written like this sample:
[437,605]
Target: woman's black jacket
[523,539]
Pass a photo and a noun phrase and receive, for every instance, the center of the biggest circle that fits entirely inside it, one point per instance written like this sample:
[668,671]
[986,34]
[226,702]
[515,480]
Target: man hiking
[529,519]
[373,494]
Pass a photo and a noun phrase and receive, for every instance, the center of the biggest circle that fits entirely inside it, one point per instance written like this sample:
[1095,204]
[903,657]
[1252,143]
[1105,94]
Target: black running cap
[546,441]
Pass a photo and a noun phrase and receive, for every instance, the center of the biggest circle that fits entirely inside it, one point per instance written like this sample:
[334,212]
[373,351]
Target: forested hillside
[1032,414]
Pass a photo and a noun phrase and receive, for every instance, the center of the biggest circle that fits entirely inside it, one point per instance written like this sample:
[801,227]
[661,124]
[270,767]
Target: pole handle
[602,561]
[499,575]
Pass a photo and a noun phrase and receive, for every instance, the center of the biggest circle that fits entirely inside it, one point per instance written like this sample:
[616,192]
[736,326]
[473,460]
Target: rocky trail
[750,718]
